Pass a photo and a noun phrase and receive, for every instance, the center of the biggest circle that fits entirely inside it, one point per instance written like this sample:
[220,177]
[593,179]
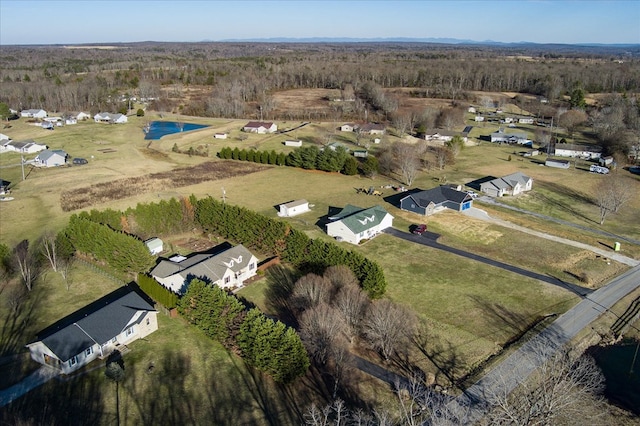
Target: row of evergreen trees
[307,157]
[268,345]
[263,157]
[157,291]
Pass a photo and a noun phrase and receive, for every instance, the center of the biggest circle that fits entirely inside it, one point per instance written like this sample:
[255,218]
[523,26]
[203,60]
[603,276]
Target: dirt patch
[109,191]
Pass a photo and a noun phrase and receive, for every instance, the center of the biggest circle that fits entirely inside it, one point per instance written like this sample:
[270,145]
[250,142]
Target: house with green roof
[354,224]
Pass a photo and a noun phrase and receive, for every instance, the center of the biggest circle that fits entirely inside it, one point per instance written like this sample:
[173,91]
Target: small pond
[157,129]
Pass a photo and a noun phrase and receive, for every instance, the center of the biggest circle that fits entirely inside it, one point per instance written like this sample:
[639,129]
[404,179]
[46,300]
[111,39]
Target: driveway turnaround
[430,239]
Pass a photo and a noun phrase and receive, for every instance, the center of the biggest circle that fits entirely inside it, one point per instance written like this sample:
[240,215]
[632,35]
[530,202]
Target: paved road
[517,367]
[430,239]
[491,200]
[618,257]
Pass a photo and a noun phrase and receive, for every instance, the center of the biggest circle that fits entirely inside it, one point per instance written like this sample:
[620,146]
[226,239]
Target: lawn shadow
[441,354]
[570,195]
[606,245]
[18,322]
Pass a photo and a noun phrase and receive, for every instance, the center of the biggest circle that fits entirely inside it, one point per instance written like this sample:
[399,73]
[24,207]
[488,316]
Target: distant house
[433,200]
[297,143]
[587,152]
[33,113]
[347,127]
[371,129]
[333,146]
[354,224]
[501,137]
[24,147]
[4,137]
[479,118]
[70,121]
[512,184]
[226,269]
[260,127]
[81,116]
[559,164]
[47,125]
[107,117]
[154,245]
[361,153]
[471,109]
[531,153]
[293,208]
[51,158]
[605,161]
[527,120]
[220,135]
[442,135]
[95,331]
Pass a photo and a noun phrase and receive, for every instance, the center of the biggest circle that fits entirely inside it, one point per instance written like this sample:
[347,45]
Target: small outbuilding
[293,208]
[295,143]
[220,135]
[154,245]
[559,164]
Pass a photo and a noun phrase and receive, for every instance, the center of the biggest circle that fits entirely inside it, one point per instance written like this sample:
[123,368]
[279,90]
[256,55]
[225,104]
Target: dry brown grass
[123,188]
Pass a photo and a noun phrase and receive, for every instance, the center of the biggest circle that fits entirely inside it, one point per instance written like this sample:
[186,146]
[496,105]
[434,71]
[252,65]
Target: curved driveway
[430,239]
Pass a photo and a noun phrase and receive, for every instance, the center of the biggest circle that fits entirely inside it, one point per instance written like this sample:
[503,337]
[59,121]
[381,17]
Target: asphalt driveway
[429,239]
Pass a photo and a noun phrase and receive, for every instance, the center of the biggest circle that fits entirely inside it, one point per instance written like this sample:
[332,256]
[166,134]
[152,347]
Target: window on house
[148,321]
[227,280]
[252,266]
[114,340]
[129,331]
[73,361]
[88,351]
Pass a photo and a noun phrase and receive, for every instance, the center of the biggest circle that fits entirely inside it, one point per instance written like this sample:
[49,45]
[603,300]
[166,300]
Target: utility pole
[224,196]
[22,164]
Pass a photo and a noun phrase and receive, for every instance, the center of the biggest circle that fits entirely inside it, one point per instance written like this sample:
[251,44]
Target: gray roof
[517,177]
[296,203]
[438,195]
[47,153]
[98,323]
[576,147]
[212,266]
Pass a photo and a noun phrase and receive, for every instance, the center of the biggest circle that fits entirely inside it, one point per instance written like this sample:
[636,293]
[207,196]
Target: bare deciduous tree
[571,119]
[556,393]
[309,291]
[407,161]
[49,249]
[340,276]
[352,303]
[611,193]
[27,263]
[319,327]
[387,327]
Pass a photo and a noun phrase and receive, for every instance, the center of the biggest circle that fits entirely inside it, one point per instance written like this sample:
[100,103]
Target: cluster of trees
[277,238]
[238,76]
[263,157]
[334,314]
[268,345]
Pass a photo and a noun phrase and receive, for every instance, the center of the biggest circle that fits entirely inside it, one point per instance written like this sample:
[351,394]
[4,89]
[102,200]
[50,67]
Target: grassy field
[469,310]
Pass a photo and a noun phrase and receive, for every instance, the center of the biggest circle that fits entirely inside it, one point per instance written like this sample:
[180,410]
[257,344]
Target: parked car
[473,194]
[420,229]
[79,161]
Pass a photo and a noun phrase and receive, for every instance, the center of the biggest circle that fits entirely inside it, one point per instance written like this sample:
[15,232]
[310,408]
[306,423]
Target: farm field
[468,311]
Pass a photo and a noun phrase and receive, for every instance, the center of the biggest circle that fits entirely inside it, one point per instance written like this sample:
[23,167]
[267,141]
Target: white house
[297,143]
[588,152]
[525,120]
[51,158]
[606,161]
[512,184]
[95,331]
[4,137]
[293,208]
[106,117]
[354,224]
[502,137]
[260,127]
[81,116]
[347,127]
[228,268]
[25,147]
[33,113]
[471,109]
[479,118]
[372,129]
[154,245]
[220,135]
[442,135]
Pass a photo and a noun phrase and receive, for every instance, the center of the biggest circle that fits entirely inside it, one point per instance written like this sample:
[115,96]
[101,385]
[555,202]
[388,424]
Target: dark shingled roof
[438,195]
[97,322]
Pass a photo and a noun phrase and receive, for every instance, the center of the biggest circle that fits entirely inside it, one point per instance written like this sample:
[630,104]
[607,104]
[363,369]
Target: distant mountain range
[438,40]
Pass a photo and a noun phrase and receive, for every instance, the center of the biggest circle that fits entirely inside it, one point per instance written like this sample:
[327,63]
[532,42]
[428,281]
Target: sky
[537,21]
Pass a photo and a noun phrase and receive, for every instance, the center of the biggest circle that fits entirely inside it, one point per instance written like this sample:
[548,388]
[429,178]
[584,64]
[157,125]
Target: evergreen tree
[350,167]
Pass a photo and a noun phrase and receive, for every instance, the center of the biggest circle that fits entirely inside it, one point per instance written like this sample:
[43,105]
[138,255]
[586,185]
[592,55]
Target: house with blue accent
[95,331]
[354,224]
[431,201]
